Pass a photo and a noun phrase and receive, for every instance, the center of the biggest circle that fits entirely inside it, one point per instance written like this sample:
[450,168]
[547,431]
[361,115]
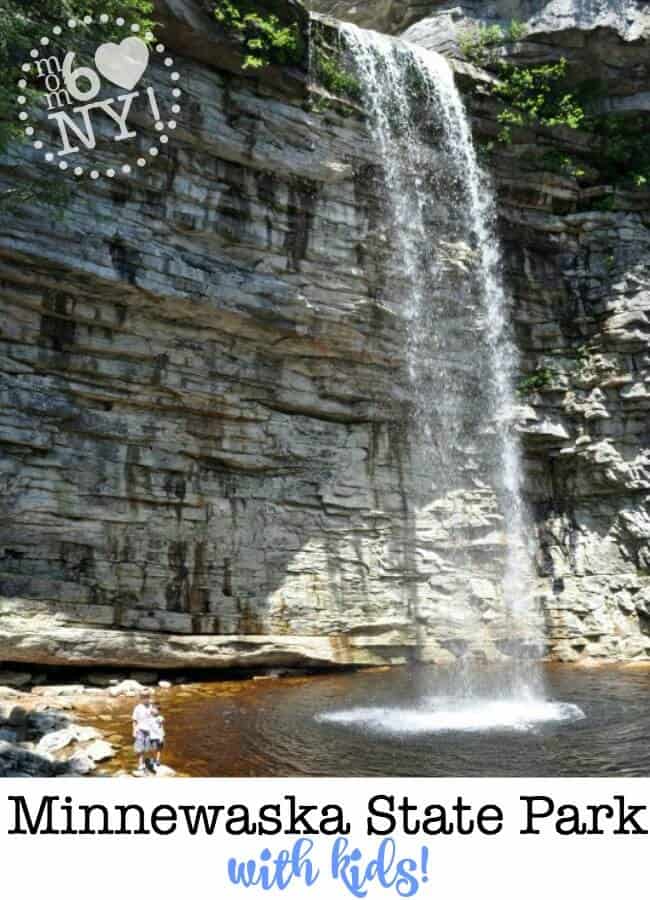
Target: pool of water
[404,722]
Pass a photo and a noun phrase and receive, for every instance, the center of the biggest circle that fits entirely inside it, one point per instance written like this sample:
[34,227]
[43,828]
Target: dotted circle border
[111,171]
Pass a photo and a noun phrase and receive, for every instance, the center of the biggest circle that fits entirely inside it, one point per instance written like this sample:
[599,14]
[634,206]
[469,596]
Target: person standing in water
[142,717]
[156,734]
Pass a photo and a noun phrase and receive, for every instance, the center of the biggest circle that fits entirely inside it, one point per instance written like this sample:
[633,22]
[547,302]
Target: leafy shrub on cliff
[563,164]
[541,378]
[266,40]
[334,77]
[478,44]
[536,95]
[618,155]
[624,148]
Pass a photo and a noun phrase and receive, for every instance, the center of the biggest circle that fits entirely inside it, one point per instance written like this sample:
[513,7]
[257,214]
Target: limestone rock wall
[577,261]
[199,417]
[583,318]
[443,18]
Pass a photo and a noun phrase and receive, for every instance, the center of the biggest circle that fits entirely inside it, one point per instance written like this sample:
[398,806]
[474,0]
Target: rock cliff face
[580,281]
[202,457]
[559,18]
[205,458]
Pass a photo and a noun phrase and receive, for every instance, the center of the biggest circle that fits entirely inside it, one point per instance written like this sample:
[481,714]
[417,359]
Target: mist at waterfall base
[445,269]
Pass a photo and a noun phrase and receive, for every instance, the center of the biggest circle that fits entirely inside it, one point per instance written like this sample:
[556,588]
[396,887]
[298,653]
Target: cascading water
[445,268]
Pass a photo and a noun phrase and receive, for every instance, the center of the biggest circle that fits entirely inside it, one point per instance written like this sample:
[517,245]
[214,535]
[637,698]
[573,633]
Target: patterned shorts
[142,743]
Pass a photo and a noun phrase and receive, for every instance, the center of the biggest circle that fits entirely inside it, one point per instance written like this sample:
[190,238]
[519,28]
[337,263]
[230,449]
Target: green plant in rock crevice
[542,377]
[544,95]
[536,95]
[266,40]
[479,44]
[563,164]
[603,204]
[333,76]
[516,31]
[624,147]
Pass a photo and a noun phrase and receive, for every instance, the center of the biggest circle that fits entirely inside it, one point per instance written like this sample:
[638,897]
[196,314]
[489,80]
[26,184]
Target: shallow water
[404,722]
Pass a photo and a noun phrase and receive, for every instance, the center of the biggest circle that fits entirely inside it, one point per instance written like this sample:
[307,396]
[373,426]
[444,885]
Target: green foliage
[541,378]
[23,23]
[624,148]
[536,95]
[331,74]
[266,40]
[543,95]
[563,164]
[515,31]
[478,44]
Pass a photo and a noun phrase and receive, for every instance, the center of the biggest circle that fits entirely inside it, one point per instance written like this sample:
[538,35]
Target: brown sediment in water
[181,706]
[270,726]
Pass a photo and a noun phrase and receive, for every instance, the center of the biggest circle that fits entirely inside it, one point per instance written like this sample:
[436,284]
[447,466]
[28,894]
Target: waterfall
[444,268]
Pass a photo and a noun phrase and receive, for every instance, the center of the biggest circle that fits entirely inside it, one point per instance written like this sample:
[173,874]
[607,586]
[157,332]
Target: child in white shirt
[156,733]
[141,717]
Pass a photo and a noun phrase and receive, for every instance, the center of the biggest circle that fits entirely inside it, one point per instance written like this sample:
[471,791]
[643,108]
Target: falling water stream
[442,276]
[445,270]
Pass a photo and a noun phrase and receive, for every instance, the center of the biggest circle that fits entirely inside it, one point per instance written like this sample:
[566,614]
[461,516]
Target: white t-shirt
[156,728]
[142,717]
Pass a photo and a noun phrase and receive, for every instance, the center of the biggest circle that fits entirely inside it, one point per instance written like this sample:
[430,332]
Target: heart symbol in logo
[124,63]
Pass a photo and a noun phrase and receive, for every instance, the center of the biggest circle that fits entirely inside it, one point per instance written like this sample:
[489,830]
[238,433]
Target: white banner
[337,838]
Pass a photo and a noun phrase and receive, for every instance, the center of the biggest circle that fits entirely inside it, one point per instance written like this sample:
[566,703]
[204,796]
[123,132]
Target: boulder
[58,690]
[99,750]
[7,693]
[128,687]
[19,717]
[80,763]
[18,761]
[57,740]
